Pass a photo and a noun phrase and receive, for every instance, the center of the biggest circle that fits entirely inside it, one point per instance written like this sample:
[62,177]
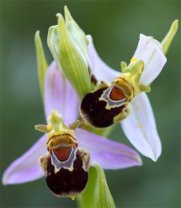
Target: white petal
[140,128]
[109,154]
[150,51]
[59,95]
[98,68]
[26,167]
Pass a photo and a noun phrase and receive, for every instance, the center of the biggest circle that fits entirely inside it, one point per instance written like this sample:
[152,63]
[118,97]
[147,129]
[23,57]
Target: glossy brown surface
[66,182]
[94,110]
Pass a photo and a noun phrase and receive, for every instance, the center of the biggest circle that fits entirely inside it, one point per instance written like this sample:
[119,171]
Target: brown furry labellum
[104,106]
[65,166]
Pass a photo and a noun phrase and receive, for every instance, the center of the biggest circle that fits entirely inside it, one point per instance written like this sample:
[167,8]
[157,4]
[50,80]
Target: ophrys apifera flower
[63,154]
[122,97]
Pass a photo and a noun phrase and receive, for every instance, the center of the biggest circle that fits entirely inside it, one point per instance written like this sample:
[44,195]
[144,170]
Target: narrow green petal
[169,36]
[42,65]
[124,66]
[53,42]
[68,16]
[97,193]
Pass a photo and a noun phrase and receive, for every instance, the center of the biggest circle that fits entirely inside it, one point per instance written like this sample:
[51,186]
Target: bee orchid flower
[122,96]
[60,96]
[112,96]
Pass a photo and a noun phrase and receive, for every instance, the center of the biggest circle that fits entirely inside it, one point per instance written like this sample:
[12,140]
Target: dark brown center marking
[66,182]
[95,112]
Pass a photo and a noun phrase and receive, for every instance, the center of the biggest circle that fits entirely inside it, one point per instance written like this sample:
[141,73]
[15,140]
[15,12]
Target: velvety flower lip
[139,126]
[60,95]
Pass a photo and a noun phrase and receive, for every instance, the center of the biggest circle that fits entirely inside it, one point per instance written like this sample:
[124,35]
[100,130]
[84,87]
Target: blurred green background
[115,26]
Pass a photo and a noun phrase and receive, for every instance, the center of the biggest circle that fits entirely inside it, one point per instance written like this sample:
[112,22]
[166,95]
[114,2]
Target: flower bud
[68,44]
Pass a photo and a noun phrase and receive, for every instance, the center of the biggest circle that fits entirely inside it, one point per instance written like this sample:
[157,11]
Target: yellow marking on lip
[64,140]
[73,196]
